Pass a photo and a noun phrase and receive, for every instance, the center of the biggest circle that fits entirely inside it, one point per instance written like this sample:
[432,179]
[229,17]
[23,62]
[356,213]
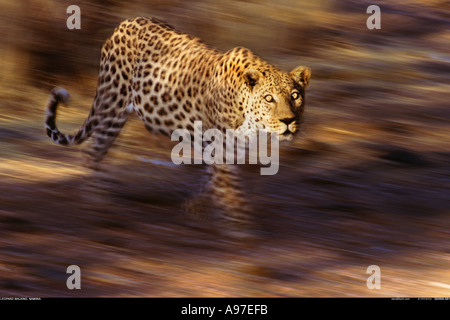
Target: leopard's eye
[269,98]
[295,95]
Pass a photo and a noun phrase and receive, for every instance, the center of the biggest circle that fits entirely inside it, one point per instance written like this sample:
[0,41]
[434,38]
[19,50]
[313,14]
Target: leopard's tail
[58,95]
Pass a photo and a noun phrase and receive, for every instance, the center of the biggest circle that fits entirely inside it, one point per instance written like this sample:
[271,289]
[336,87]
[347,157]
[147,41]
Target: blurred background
[366,183]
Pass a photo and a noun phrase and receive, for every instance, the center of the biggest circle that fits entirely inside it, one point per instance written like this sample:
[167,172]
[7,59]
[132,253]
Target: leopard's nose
[287,121]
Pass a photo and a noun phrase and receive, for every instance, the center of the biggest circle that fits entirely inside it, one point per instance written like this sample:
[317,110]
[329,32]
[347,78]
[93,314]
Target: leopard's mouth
[287,132]
[287,135]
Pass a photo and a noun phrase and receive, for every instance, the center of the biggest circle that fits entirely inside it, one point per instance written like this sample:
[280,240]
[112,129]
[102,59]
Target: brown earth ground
[366,183]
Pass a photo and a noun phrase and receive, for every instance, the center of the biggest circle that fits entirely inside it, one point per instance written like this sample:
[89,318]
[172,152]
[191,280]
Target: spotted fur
[171,79]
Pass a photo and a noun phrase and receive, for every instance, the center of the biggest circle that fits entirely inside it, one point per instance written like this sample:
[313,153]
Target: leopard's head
[274,100]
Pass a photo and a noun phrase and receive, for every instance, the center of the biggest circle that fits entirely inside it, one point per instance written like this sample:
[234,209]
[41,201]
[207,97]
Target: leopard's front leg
[224,200]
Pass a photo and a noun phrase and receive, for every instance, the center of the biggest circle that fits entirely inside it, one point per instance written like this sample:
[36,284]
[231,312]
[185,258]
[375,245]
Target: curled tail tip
[57,95]
[61,94]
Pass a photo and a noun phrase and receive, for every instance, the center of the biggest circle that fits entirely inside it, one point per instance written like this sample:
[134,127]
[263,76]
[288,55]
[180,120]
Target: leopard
[172,79]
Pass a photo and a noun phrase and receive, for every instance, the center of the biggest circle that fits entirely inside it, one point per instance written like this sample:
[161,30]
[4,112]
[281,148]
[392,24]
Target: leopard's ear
[251,77]
[301,75]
